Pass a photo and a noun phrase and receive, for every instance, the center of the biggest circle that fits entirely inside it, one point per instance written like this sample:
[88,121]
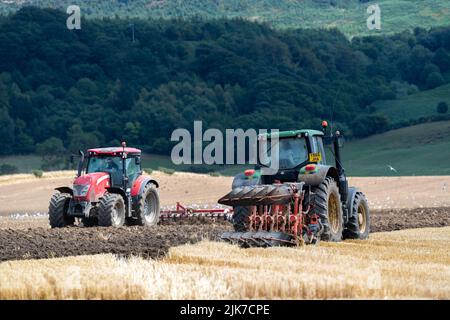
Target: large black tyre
[327,205]
[358,226]
[241,218]
[147,207]
[57,210]
[111,210]
[89,222]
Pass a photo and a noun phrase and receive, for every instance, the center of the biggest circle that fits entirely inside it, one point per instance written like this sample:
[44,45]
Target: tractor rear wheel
[147,208]
[327,205]
[358,226]
[111,210]
[57,210]
[241,218]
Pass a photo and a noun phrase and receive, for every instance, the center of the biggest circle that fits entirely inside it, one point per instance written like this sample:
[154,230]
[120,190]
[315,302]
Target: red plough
[277,216]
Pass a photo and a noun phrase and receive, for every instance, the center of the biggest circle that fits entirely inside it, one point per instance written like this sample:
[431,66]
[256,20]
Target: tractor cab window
[111,165]
[103,164]
[132,170]
[321,149]
[317,147]
[291,152]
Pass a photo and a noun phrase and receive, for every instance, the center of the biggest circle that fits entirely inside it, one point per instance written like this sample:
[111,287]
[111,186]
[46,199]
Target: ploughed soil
[152,242]
[398,219]
[42,242]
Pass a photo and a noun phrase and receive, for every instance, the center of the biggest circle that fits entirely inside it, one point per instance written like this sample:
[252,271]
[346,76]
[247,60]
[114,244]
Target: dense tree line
[95,86]
[348,15]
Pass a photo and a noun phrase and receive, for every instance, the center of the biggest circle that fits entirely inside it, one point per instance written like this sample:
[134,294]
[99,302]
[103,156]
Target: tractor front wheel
[358,226]
[111,210]
[147,209]
[57,211]
[327,205]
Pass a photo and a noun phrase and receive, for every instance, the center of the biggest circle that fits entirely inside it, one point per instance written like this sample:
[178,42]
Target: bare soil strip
[398,219]
[41,243]
[38,243]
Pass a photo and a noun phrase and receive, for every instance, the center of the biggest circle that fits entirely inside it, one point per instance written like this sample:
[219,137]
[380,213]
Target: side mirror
[137,161]
[80,163]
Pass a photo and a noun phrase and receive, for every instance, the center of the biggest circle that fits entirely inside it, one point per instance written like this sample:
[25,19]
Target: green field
[418,150]
[24,163]
[414,106]
[348,15]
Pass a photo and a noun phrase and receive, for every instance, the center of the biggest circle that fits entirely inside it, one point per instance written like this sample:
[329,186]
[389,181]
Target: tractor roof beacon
[109,190]
[305,201]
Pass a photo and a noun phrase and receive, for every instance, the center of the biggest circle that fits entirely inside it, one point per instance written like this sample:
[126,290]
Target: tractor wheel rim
[362,218]
[333,213]
[149,208]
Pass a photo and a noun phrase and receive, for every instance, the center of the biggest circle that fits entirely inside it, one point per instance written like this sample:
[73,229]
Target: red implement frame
[289,218]
[184,212]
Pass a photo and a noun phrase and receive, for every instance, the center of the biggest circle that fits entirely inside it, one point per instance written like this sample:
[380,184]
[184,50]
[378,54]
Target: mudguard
[314,179]
[65,190]
[140,184]
[352,191]
[118,191]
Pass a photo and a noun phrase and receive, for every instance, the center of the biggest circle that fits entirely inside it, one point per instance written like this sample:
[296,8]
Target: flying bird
[392,168]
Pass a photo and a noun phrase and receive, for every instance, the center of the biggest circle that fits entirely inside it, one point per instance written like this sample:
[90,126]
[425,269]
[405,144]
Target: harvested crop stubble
[401,264]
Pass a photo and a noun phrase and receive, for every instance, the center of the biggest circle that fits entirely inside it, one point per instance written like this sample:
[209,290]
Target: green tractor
[306,200]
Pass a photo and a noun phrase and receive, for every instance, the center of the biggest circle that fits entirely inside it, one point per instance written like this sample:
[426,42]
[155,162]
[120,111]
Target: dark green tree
[6,132]
[366,125]
[434,80]
[226,72]
[80,140]
[442,107]
[53,154]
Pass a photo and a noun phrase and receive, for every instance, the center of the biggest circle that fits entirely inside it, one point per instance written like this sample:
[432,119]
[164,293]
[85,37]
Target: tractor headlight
[80,190]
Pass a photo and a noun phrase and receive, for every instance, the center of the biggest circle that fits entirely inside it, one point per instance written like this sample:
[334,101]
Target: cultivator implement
[277,216]
[182,212]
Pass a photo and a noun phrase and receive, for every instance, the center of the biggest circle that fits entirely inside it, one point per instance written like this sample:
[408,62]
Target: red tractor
[109,190]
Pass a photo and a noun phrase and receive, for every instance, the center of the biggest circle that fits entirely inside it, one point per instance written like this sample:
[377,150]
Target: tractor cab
[296,151]
[115,162]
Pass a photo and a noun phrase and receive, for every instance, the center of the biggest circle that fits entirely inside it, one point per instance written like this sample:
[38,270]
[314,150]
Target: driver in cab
[113,169]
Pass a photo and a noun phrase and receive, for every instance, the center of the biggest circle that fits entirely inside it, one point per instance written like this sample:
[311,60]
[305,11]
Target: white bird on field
[392,168]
